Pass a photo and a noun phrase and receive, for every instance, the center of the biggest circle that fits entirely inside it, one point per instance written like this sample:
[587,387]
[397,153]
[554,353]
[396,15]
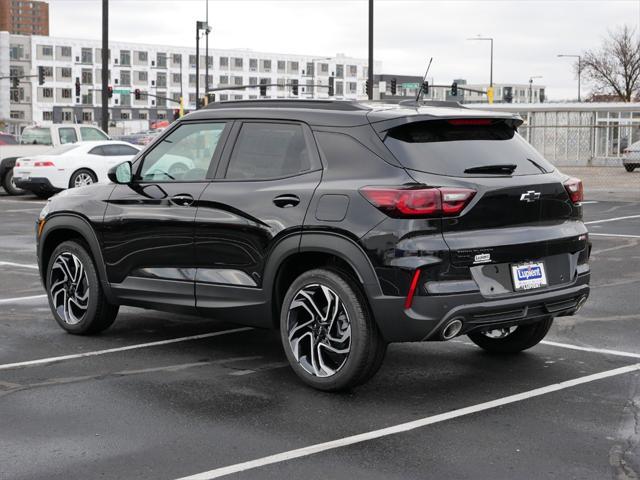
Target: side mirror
[121,174]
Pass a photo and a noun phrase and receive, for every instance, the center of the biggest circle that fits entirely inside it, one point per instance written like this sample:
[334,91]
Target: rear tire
[74,291]
[330,351]
[629,168]
[9,186]
[522,338]
[82,178]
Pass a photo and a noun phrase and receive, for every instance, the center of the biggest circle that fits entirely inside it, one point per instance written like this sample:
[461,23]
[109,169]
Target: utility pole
[531,86]
[198,64]
[370,77]
[104,117]
[206,53]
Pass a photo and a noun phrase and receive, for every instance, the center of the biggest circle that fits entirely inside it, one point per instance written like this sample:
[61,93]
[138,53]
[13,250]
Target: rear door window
[67,135]
[449,147]
[268,150]
[90,133]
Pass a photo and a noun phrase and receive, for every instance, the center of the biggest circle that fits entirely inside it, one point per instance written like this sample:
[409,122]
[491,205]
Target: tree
[614,68]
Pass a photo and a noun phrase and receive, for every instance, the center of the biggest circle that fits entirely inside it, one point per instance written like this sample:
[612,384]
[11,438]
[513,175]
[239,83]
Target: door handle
[182,200]
[285,201]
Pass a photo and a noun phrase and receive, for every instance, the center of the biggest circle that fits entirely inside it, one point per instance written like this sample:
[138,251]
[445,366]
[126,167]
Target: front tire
[328,332]
[10,186]
[512,340]
[75,294]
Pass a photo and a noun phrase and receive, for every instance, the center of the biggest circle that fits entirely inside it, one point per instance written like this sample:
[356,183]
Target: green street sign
[410,85]
[122,90]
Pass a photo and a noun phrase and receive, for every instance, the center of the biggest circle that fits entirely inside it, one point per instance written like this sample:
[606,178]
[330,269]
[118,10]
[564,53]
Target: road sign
[122,90]
[410,85]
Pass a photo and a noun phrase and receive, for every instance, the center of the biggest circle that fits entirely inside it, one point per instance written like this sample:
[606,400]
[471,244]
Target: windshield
[36,136]
[449,147]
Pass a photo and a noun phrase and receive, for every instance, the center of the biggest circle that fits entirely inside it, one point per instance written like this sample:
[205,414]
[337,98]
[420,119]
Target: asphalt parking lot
[159,396]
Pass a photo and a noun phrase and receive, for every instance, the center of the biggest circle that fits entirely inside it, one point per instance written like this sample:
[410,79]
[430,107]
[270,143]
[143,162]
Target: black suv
[345,225]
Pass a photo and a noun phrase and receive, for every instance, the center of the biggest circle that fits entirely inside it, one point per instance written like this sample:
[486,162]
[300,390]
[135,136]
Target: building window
[86,56]
[161,80]
[66,116]
[66,93]
[237,62]
[339,88]
[237,81]
[192,61]
[87,99]
[48,71]
[339,71]
[353,70]
[17,114]
[65,52]
[143,76]
[310,69]
[176,77]
[192,79]
[253,80]
[353,87]
[125,99]
[87,116]
[293,67]
[224,62]
[143,115]
[266,65]
[125,57]
[47,51]
[125,78]
[223,80]
[224,97]
[16,52]
[253,64]
[237,97]
[65,72]
[324,68]
[47,116]
[282,66]
[161,60]
[176,59]
[124,116]
[143,57]
[47,92]
[87,76]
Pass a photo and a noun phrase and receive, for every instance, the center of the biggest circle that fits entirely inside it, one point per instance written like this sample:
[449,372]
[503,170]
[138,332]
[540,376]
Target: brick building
[24,17]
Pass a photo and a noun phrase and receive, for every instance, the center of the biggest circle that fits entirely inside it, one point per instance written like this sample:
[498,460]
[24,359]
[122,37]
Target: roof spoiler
[431,103]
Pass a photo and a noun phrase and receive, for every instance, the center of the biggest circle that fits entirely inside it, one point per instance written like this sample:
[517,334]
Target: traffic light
[110,91]
[40,75]
[507,94]
[294,88]
[454,89]
[77,86]
[136,94]
[394,84]
[366,86]
[16,82]
[176,114]
[211,97]
[263,87]
[425,88]
[332,81]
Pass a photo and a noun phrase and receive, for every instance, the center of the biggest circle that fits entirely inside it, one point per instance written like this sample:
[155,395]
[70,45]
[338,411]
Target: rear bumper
[430,313]
[36,185]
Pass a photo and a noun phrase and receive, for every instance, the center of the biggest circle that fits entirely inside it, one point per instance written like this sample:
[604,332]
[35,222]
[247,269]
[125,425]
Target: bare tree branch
[614,68]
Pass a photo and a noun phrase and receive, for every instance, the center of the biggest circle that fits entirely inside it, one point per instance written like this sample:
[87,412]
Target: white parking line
[21,265]
[44,361]
[612,235]
[21,299]
[611,219]
[587,202]
[405,427]
[604,351]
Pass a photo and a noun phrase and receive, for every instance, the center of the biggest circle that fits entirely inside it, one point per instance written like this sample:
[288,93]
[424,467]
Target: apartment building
[163,74]
[24,17]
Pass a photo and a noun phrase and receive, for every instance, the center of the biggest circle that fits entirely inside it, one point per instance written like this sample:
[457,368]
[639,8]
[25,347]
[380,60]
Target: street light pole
[531,86]
[579,69]
[104,94]
[370,89]
[198,65]
[206,53]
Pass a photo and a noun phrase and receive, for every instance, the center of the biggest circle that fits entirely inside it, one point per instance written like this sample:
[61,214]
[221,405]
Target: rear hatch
[521,211]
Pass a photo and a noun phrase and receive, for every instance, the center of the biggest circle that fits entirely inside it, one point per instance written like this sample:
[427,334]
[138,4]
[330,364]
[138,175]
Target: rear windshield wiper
[501,169]
[540,167]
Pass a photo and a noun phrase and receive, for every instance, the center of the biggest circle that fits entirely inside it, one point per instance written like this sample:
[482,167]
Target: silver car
[631,157]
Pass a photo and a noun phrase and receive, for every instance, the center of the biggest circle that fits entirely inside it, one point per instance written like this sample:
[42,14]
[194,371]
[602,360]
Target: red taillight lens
[470,121]
[418,202]
[575,189]
[45,163]
[17,164]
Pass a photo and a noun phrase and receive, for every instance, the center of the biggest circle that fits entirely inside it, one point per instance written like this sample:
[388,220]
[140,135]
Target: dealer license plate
[528,276]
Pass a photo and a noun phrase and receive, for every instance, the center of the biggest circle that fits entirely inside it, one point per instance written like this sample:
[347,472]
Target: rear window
[36,136]
[449,147]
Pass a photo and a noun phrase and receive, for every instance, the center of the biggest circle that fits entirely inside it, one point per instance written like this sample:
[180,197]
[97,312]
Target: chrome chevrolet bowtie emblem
[530,197]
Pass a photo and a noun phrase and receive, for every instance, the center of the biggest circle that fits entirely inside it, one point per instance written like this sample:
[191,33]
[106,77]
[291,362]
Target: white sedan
[71,165]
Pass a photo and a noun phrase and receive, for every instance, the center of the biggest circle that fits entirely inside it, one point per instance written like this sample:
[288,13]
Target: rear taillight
[470,121]
[17,164]
[43,163]
[575,189]
[418,202]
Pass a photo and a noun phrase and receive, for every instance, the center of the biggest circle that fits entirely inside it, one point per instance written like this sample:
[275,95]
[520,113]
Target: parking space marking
[21,265]
[406,427]
[44,361]
[21,299]
[587,202]
[604,351]
[611,219]
[612,235]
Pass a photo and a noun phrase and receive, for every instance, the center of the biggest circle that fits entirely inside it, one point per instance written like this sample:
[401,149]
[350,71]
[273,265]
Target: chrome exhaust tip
[452,329]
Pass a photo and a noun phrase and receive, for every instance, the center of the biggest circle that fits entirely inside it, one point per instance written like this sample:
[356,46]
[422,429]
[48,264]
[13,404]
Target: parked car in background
[140,138]
[37,140]
[631,157]
[70,166]
[7,139]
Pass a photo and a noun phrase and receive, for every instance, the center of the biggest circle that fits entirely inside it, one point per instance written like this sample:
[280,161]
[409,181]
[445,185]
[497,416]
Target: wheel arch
[5,165]
[65,227]
[306,251]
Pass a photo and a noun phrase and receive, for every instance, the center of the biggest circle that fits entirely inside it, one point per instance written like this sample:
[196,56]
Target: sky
[528,34]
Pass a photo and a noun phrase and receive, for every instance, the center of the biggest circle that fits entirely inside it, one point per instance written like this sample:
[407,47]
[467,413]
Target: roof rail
[342,105]
[431,103]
